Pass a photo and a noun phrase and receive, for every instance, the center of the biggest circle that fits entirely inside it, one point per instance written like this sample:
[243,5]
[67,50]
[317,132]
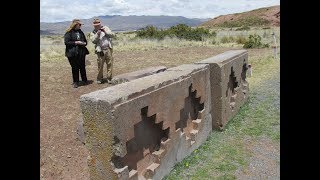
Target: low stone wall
[142,128]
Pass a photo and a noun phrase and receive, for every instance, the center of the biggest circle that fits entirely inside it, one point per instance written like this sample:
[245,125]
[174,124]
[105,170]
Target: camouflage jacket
[103,41]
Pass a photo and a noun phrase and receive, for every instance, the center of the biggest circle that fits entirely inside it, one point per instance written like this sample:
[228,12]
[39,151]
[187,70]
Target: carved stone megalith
[229,86]
[142,128]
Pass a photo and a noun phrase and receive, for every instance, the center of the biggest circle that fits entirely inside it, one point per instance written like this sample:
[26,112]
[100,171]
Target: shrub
[149,31]
[265,35]
[180,31]
[254,42]
[224,39]
[241,40]
[228,39]
[213,41]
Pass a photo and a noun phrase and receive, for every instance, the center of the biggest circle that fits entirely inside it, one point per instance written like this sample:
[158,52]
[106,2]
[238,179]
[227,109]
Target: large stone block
[138,74]
[229,87]
[142,128]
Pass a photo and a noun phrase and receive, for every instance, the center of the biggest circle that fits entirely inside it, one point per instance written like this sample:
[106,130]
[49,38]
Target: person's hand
[80,43]
[98,32]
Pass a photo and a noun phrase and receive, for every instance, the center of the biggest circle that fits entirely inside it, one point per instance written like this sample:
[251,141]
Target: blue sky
[62,10]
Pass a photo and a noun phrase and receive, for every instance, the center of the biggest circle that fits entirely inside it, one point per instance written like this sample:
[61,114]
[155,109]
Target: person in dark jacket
[76,51]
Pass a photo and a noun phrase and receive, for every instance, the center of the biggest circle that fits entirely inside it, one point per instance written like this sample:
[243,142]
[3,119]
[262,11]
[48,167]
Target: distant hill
[268,16]
[123,23]
[45,32]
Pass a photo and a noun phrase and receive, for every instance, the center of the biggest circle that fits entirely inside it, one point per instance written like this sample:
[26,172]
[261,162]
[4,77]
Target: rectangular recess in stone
[229,87]
[151,123]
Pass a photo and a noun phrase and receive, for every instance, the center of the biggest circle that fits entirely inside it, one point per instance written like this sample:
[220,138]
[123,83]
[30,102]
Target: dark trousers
[78,63]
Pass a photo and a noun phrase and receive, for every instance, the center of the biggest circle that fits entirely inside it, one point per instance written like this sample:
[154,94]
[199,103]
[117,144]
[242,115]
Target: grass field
[248,148]
[52,47]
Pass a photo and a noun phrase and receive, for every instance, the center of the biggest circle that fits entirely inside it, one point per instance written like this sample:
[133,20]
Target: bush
[224,39]
[180,31]
[228,39]
[254,42]
[149,31]
[241,40]
[213,41]
[265,35]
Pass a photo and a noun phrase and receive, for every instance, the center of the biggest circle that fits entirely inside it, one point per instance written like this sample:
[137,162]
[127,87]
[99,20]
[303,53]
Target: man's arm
[94,38]
[108,31]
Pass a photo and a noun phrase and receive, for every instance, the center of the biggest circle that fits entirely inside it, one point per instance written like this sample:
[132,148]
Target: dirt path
[62,155]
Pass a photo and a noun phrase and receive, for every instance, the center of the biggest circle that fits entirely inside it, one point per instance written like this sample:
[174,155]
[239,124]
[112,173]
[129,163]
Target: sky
[66,10]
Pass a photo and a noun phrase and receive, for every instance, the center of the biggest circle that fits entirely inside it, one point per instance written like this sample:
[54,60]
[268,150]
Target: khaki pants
[105,57]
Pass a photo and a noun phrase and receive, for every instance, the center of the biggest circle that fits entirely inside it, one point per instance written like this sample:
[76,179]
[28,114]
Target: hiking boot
[99,82]
[75,85]
[83,83]
[109,80]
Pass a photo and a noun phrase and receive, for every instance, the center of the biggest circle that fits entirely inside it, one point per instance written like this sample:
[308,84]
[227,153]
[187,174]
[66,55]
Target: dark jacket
[71,48]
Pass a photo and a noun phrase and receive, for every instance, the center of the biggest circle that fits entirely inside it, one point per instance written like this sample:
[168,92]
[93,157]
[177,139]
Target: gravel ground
[265,160]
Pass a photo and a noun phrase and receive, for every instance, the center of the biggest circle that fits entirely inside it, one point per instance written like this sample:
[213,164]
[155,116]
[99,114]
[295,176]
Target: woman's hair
[73,24]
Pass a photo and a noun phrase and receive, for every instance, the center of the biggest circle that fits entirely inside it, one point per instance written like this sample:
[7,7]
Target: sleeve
[108,31]
[67,39]
[94,38]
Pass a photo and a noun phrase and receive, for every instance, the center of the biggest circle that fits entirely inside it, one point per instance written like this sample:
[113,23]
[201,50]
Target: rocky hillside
[268,16]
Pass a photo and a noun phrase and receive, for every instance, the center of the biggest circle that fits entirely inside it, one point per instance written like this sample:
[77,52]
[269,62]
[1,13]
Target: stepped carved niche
[190,116]
[232,90]
[243,79]
[145,149]
[144,152]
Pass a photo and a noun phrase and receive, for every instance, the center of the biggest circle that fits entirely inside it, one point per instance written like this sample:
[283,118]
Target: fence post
[274,47]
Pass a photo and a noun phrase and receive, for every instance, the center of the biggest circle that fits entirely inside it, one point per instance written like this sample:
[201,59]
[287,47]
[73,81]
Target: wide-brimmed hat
[96,22]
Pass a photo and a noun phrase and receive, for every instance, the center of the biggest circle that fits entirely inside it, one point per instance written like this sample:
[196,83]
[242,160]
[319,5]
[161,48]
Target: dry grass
[52,47]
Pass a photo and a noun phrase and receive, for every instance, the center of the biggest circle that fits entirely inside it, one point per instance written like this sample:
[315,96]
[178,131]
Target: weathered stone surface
[229,88]
[142,128]
[138,74]
[80,131]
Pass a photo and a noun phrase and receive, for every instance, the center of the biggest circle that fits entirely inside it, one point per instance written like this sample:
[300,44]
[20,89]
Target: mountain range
[121,23]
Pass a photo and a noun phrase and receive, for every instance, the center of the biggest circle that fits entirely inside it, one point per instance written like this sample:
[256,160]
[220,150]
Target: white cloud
[61,10]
